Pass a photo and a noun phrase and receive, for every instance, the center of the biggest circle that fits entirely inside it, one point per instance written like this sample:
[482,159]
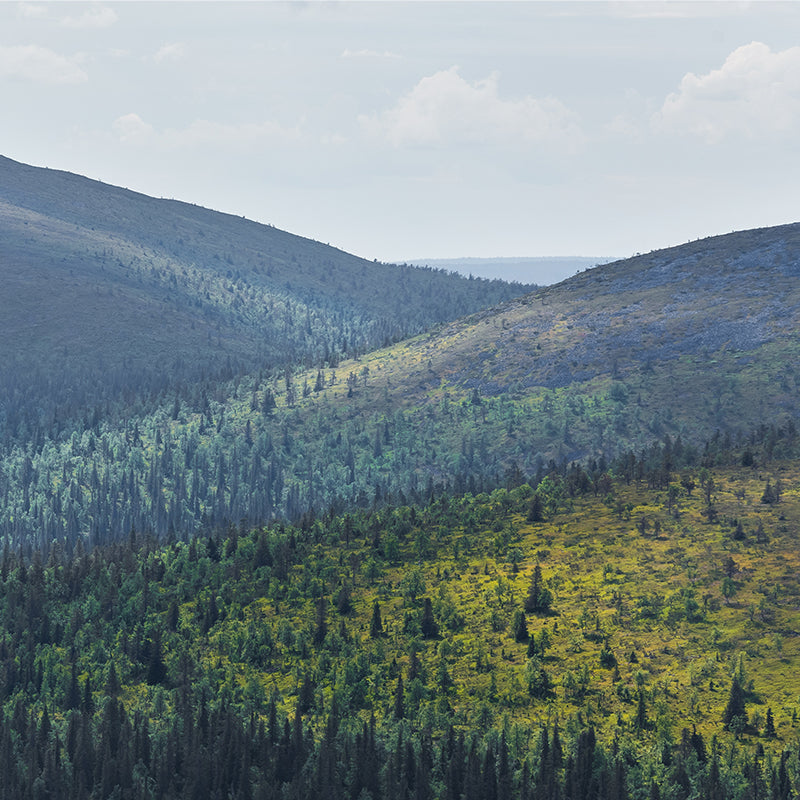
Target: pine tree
[735,712]
[430,630]
[539,598]
[321,625]
[520,626]
[376,626]
[641,712]
[399,699]
[769,727]
[156,669]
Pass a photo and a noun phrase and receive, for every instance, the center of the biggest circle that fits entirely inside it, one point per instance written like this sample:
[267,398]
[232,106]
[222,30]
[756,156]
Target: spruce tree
[430,630]
[769,727]
[520,626]
[735,709]
[321,625]
[539,598]
[399,701]
[376,626]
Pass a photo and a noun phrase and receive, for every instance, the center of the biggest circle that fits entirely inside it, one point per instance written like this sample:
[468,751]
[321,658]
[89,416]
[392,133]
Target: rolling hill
[697,342]
[111,296]
[589,638]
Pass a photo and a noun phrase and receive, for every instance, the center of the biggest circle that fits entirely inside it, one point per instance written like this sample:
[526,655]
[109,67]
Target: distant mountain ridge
[542,270]
[108,291]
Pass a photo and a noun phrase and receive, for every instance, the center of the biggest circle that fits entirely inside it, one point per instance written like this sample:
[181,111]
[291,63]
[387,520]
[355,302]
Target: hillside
[694,342]
[584,638]
[111,295]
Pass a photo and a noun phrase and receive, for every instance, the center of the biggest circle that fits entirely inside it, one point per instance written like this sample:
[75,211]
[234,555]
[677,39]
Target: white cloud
[38,64]
[131,128]
[669,9]
[348,53]
[32,10]
[755,93]
[446,109]
[96,17]
[170,52]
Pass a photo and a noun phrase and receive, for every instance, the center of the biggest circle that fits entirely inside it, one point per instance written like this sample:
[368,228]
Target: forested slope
[111,298]
[691,342]
[615,631]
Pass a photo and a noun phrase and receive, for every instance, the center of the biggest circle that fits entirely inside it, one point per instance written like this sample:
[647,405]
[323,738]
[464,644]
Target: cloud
[669,9]
[31,10]
[348,53]
[132,129]
[170,52]
[445,109]
[755,94]
[38,64]
[96,17]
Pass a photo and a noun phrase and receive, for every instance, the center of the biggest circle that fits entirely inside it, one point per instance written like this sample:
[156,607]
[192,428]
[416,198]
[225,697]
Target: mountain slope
[107,292]
[428,651]
[696,342]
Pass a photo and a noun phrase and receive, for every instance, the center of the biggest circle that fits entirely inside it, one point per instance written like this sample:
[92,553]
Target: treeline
[222,755]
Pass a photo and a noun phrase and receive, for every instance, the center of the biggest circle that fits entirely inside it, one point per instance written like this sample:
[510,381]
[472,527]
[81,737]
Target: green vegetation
[674,343]
[114,301]
[245,555]
[383,651]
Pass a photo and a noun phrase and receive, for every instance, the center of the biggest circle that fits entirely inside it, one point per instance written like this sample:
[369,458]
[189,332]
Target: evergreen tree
[520,626]
[376,626]
[156,669]
[321,622]
[399,699]
[428,626]
[539,598]
[769,727]
[735,712]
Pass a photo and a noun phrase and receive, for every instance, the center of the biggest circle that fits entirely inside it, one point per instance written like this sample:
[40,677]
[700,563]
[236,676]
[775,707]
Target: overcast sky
[419,129]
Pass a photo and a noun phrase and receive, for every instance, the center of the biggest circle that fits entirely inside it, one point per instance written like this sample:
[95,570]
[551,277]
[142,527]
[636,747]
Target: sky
[412,130]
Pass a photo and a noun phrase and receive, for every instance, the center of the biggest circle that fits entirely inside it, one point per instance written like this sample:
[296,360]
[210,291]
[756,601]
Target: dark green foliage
[343,603]
[376,625]
[520,627]
[539,598]
[197,731]
[607,657]
[769,726]
[399,699]
[735,715]
[156,669]
[428,625]
[321,621]
[536,509]
[641,710]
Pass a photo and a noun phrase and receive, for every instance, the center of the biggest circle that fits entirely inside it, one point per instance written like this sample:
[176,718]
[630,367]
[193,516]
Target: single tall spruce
[735,712]
[376,626]
[539,598]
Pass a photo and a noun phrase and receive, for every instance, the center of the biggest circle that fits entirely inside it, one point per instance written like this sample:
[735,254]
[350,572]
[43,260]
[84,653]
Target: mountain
[111,295]
[588,638]
[698,343]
